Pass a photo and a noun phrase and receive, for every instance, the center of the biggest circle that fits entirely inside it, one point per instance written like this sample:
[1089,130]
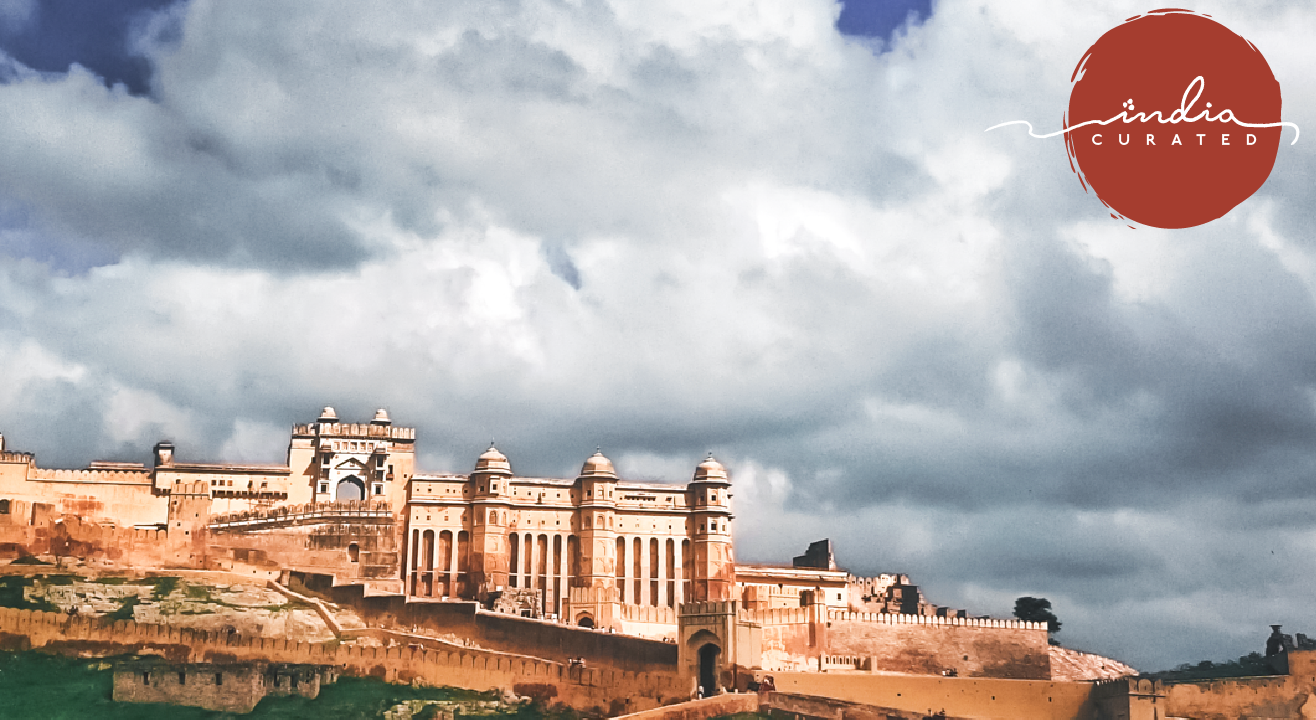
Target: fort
[593,591]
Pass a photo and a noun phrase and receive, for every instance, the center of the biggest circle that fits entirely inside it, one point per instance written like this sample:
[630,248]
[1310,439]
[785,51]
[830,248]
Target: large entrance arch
[710,656]
[350,488]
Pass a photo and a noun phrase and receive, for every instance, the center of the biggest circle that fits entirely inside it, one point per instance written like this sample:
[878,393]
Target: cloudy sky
[772,229]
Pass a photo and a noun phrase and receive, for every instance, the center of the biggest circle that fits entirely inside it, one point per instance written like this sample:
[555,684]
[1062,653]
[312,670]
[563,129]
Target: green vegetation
[203,594]
[164,586]
[33,685]
[1031,609]
[11,593]
[30,560]
[1250,665]
[125,611]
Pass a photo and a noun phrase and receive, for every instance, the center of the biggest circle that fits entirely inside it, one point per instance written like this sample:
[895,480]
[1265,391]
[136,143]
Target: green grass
[11,594]
[33,685]
[163,587]
[125,611]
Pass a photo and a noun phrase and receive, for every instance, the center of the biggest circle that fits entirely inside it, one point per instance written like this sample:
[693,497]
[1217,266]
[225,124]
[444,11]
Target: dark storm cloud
[52,35]
[666,230]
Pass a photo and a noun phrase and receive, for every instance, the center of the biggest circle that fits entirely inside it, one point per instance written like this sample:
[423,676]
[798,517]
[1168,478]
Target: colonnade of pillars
[546,562]
[649,570]
[653,571]
[439,567]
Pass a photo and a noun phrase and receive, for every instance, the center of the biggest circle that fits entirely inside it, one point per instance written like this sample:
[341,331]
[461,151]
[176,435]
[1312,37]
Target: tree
[1031,609]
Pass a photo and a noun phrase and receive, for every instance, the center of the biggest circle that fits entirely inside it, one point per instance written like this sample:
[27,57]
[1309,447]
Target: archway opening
[585,621]
[354,552]
[350,489]
[708,668]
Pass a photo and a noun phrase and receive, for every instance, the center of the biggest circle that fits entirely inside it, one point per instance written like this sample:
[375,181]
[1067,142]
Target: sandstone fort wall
[124,496]
[506,633]
[462,667]
[986,698]
[1263,697]
[933,645]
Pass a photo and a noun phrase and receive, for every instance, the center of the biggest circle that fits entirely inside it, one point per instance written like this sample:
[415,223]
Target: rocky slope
[1069,664]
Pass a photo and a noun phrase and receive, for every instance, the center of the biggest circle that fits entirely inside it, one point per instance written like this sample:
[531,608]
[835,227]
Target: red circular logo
[1174,120]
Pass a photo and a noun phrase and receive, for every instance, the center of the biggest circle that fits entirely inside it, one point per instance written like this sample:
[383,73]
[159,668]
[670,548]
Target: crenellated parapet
[777,616]
[935,621]
[109,477]
[361,430]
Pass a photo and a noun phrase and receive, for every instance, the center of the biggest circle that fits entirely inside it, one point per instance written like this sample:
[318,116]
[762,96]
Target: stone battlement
[361,430]
[17,457]
[903,619]
[777,616]
[709,608]
[648,614]
[131,477]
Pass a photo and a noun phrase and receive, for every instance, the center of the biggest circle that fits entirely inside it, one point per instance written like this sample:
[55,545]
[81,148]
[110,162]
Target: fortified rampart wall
[497,631]
[811,638]
[648,621]
[933,645]
[617,690]
[985,698]
[346,548]
[123,497]
[1280,696]
[124,547]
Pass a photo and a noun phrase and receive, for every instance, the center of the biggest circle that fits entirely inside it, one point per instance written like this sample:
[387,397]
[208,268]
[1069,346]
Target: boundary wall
[462,667]
[985,698]
[1280,696]
[814,638]
[458,620]
[934,620]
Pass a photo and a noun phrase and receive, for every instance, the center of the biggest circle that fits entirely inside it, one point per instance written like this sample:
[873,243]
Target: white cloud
[665,228]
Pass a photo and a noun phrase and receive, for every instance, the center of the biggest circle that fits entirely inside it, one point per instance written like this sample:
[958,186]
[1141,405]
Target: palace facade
[454,536]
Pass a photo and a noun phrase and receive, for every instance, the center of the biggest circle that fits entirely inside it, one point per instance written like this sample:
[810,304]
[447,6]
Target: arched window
[354,552]
[4,507]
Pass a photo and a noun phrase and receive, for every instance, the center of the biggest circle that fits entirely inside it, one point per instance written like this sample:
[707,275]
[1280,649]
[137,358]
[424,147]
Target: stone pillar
[451,561]
[645,561]
[680,577]
[662,573]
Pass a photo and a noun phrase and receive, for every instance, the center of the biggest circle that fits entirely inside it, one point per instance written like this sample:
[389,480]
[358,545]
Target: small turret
[598,479]
[164,453]
[492,474]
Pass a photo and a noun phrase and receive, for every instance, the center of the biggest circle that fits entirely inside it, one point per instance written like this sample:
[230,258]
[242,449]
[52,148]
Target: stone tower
[597,485]
[713,565]
[490,490]
[333,461]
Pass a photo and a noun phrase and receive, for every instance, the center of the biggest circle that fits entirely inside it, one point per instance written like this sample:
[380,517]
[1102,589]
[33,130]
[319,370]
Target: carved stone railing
[301,515]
